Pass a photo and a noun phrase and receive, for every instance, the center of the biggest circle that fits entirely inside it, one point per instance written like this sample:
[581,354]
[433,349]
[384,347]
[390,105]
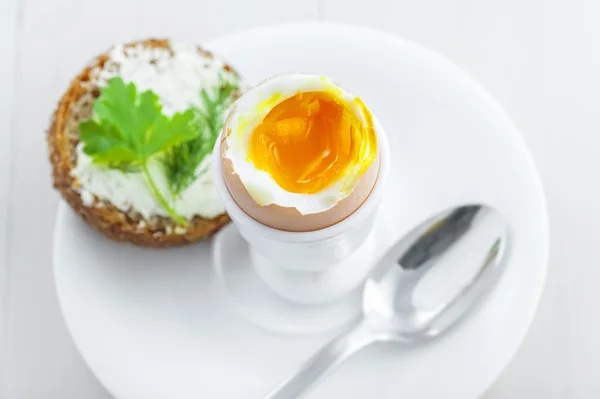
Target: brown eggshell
[290,219]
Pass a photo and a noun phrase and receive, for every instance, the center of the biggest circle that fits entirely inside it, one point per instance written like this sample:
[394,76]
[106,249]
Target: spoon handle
[324,361]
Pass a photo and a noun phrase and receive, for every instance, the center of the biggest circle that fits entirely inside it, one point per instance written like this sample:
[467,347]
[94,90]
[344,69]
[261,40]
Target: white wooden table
[539,58]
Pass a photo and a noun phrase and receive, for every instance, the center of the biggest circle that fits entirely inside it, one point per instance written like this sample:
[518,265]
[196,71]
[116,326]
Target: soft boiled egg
[299,153]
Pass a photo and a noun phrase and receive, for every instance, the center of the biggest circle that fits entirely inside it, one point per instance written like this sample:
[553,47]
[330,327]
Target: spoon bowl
[438,272]
[422,287]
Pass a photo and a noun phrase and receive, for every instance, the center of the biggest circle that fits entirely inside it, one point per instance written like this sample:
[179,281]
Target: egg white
[249,112]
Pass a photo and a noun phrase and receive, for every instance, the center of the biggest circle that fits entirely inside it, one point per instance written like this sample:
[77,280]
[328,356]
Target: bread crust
[63,135]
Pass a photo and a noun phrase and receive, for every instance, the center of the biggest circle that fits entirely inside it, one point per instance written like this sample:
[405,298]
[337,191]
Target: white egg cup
[298,281]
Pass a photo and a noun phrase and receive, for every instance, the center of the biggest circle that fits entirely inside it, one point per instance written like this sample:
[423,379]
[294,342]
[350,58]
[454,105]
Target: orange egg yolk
[310,141]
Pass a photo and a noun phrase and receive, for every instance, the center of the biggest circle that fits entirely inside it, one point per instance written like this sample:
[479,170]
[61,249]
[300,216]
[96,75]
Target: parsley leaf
[182,161]
[128,129]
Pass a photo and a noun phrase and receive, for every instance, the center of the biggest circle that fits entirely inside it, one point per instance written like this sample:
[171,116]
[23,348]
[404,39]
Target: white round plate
[152,324]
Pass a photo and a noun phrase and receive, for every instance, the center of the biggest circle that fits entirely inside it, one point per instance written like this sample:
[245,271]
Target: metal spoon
[400,300]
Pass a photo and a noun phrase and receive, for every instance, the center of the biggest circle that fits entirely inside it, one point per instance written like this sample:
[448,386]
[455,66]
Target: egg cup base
[271,297]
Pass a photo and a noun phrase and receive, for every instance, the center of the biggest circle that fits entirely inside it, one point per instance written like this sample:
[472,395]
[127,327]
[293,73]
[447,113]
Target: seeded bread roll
[115,220]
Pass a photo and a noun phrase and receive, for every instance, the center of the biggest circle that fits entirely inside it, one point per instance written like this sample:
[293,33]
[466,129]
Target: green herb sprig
[181,162]
[128,128]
